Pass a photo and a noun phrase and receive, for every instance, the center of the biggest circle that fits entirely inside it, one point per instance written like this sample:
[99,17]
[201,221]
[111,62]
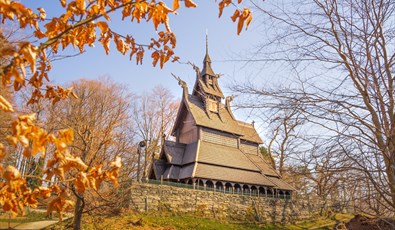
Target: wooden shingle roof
[249,132]
[172,172]
[222,121]
[259,162]
[281,184]
[214,172]
[211,89]
[224,156]
[174,152]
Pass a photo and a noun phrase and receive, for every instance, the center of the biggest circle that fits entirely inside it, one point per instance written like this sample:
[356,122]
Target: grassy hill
[171,221]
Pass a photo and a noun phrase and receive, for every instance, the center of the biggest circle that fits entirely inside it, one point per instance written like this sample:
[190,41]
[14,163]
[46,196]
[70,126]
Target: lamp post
[141,145]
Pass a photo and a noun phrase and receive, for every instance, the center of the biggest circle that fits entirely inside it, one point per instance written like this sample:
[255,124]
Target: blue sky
[190,26]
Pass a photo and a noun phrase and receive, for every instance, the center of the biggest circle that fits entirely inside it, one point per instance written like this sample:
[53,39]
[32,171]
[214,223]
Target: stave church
[212,149]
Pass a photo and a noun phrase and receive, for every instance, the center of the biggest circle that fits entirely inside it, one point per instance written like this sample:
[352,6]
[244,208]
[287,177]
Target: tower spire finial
[206,41]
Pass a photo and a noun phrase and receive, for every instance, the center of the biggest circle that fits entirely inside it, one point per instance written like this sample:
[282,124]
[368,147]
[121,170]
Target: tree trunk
[79,207]
[390,170]
[80,204]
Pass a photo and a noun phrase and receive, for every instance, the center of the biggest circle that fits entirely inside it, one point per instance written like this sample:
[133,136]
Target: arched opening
[287,195]
[200,184]
[219,186]
[254,190]
[262,191]
[228,187]
[209,185]
[270,192]
[246,189]
[280,194]
[237,188]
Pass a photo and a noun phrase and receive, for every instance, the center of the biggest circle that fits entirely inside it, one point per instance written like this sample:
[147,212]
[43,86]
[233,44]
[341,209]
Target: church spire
[206,85]
[206,42]
[207,61]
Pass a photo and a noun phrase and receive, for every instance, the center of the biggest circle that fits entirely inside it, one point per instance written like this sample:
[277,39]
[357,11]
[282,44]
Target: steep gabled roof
[222,121]
[158,167]
[172,172]
[207,66]
[249,132]
[210,89]
[174,152]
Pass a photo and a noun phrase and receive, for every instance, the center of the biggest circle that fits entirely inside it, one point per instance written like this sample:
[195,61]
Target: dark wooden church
[213,150]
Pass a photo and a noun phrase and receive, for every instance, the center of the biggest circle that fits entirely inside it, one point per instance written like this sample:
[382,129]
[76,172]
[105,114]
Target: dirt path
[36,224]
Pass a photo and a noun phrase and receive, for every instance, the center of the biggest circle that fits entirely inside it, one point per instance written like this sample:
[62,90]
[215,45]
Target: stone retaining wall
[149,197]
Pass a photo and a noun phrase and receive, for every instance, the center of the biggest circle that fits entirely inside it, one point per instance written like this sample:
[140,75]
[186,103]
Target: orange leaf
[81,4]
[190,4]
[2,152]
[42,13]
[175,58]
[81,182]
[5,105]
[27,153]
[248,21]
[235,15]
[176,4]
[221,6]
[245,15]
[103,27]
[11,173]
[155,55]
[63,2]
[165,8]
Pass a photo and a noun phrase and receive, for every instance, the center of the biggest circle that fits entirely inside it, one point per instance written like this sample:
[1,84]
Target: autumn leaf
[63,2]
[246,15]
[248,20]
[67,135]
[30,54]
[5,105]
[2,152]
[81,182]
[103,27]
[190,4]
[60,204]
[155,56]
[42,13]
[222,5]
[11,175]
[235,15]
[80,4]
[176,4]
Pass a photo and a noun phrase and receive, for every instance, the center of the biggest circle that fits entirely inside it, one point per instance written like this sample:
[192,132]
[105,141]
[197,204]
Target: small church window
[209,80]
[213,106]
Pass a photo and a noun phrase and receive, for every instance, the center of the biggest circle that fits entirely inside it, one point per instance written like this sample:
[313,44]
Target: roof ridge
[245,123]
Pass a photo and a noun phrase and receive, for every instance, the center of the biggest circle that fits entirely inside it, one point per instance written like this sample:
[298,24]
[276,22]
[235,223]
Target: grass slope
[168,221]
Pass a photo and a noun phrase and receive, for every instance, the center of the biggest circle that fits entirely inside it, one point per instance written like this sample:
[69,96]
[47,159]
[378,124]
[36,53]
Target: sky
[190,26]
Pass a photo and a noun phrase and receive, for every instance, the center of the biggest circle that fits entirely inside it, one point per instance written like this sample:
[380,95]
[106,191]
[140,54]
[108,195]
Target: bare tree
[100,119]
[342,53]
[154,114]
